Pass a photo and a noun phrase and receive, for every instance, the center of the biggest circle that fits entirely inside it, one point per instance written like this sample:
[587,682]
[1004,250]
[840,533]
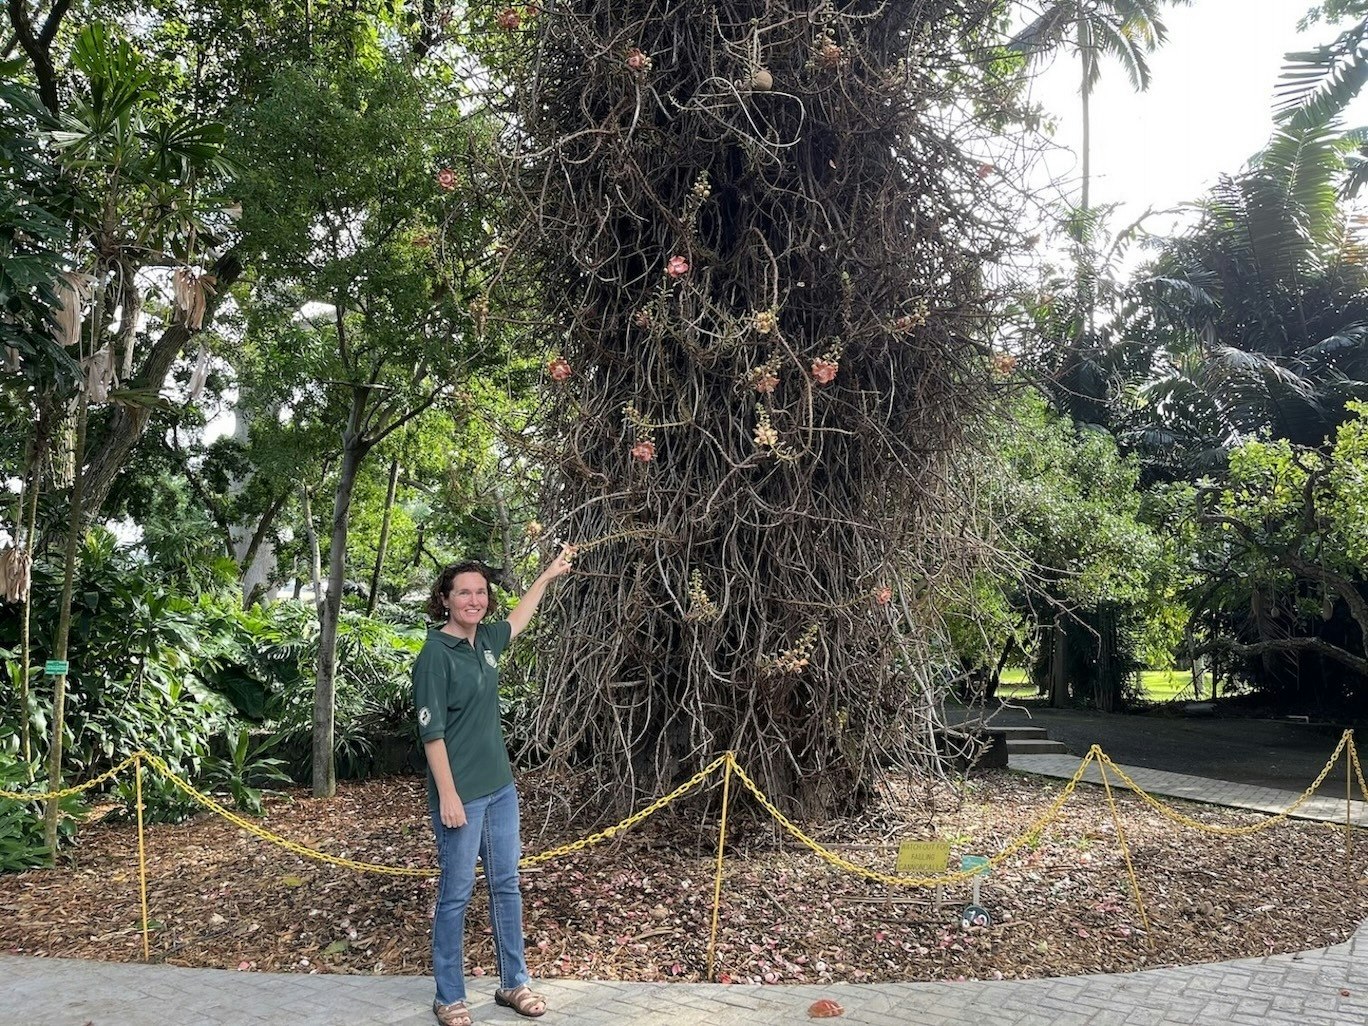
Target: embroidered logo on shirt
[489,658]
[424,717]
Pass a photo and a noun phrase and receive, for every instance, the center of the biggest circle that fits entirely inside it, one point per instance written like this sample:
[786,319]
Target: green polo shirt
[456,695]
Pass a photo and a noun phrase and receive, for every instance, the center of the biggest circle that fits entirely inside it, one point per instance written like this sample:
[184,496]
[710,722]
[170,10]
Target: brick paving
[1325,987]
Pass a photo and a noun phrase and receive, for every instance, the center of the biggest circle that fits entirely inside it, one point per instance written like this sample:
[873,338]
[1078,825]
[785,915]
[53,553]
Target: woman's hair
[441,588]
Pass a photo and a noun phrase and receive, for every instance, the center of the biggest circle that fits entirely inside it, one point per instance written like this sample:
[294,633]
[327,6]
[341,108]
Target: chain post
[721,843]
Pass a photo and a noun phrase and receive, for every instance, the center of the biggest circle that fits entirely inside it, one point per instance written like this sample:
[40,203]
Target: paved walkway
[1323,807]
[1326,987]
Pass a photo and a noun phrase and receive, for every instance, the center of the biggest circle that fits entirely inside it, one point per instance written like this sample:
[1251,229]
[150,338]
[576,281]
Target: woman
[471,797]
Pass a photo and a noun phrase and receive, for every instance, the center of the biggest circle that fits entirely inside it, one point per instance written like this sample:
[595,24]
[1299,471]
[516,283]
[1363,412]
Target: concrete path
[1326,987]
[1316,988]
[1323,807]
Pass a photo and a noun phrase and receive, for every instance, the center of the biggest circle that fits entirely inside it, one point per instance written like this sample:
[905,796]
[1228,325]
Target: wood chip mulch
[640,908]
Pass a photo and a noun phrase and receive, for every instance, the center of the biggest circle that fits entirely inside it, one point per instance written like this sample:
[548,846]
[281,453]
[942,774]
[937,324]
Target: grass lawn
[1158,685]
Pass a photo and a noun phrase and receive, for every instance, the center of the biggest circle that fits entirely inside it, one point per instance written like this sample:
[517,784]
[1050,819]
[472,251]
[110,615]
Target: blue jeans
[492,833]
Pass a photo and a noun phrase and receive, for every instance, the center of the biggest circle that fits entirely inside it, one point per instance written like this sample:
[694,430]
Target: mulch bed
[640,908]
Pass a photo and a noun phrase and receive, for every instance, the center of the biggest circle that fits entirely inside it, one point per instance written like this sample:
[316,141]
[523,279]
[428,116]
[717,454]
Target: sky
[1208,109]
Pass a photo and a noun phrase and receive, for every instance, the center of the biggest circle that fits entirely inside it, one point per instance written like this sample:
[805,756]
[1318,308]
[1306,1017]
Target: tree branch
[1358,663]
[38,46]
[127,424]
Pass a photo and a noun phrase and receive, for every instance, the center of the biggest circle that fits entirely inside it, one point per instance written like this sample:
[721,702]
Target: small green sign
[976,864]
[56,667]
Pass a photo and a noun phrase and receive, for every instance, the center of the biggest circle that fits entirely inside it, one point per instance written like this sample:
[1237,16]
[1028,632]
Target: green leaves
[1317,85]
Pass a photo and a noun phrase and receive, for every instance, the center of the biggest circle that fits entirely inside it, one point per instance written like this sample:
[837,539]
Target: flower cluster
[883,594]
[702,609]
[765,378]
[446,178]
[795,659]
[643,449]
[677,267]
[479,313]
[765,435]
[508,19]
[824,368]
[638,61]
[904,323]
[826,54]
[765,321]
[559,368]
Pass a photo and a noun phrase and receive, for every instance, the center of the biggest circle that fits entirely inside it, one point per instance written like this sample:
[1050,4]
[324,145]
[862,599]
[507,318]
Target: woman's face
[468,599]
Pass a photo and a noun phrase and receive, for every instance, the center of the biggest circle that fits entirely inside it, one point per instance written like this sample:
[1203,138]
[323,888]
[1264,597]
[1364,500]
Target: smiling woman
[472,801]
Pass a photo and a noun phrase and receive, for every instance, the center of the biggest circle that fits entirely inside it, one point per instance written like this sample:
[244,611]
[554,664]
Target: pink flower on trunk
[884,595]
[677,267]
[824,371]
[638,61]
[559,368]
[508,19]
[644,451]
[446,178]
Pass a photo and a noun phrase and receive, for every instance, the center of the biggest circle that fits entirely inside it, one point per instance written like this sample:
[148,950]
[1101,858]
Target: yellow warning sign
[923,858]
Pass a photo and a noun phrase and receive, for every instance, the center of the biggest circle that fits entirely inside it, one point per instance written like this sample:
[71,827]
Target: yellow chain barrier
[1121,842]
[728,761]
[67,792]
[1273,818]
[632,820]
[892,880]
[1358,770]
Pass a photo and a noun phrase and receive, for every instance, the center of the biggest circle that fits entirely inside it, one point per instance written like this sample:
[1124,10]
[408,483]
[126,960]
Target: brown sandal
[454,1014]
[521,1000]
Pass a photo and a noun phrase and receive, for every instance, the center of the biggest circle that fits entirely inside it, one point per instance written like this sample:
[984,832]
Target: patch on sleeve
[489,658]
[424,716]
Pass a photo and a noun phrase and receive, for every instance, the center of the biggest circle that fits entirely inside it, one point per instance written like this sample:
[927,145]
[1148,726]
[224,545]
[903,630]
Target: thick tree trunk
[354,449]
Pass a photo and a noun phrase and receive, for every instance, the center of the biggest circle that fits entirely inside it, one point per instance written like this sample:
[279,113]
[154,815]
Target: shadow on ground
[1264,752]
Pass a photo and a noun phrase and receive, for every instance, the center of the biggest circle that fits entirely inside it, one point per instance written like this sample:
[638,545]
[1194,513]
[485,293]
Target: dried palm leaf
[191,294]
[74,291]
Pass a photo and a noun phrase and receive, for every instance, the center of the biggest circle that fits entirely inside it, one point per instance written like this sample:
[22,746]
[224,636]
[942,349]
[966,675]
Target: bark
[1343,587]
[1059,662]
[258,538]
[1357,663]
[384,537]
[315,557]
[354,448]
[60,643]
[37,46]
[30,538]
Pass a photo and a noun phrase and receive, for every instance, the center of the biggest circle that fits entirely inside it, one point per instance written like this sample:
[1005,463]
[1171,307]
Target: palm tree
[1261,309]
[1126,30]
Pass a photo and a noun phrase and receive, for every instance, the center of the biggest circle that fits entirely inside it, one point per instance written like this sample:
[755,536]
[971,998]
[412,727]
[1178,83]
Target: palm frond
[1317,85]
[1045,32]
[1129,52]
